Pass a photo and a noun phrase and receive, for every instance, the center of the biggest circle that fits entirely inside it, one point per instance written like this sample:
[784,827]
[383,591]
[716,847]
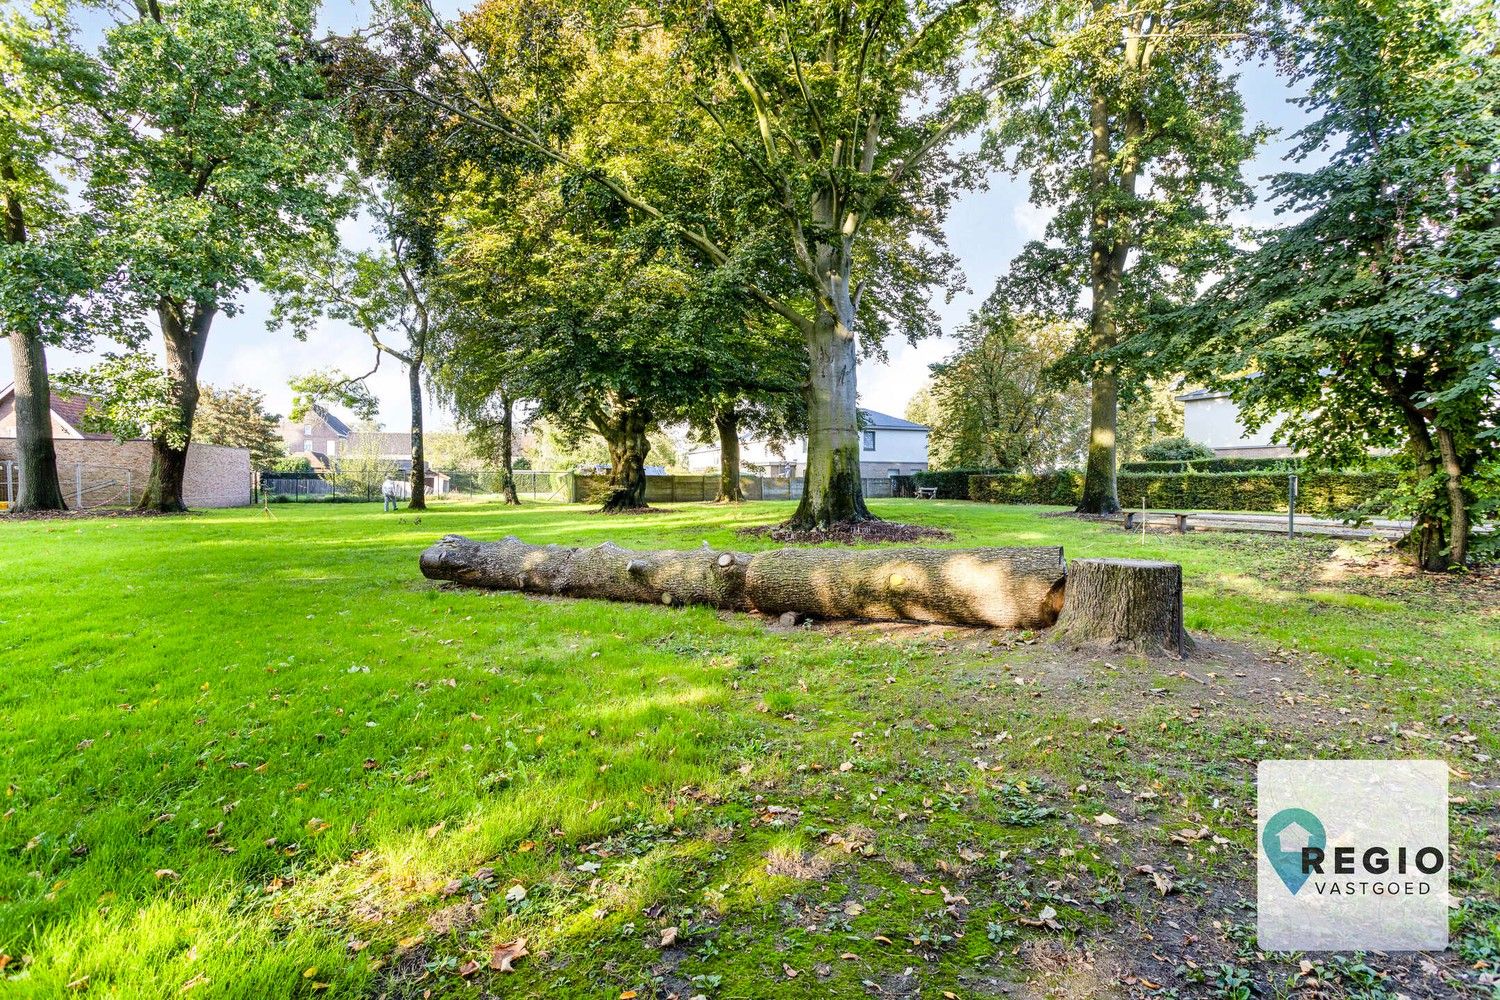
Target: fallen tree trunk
[1004,588]
[1124,605]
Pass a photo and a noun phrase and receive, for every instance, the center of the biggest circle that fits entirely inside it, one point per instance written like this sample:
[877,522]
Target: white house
[1210,417]
[889,446]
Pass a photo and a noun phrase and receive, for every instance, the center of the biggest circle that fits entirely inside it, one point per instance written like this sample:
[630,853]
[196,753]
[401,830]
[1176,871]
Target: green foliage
[1214,465]
[322,388]
[1178,449]
[59,277]
[130,396]
[993,405]
[290,463]
[237,417]
[1369,322]
[1321,494]
[953,484]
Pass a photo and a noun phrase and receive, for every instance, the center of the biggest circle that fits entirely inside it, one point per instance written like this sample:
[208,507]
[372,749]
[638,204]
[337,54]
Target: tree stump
[1124,605]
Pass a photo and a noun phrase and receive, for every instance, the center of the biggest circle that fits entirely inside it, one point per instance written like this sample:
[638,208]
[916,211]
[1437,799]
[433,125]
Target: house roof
[1197,394]
[875,420]
[334,423]
[69,408]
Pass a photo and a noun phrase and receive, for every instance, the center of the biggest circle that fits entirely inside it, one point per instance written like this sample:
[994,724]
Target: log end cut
[1124,605]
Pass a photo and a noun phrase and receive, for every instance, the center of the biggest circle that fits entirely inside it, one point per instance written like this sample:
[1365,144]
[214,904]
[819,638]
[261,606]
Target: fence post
[78,485]
[128,491]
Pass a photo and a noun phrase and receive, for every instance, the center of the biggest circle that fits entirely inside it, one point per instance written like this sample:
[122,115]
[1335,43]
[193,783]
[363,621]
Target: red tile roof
[70,408]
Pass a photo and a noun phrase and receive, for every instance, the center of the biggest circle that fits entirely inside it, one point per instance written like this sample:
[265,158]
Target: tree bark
[1124,605]
[1004,588]
[1426,540]
[831,490]
[418,499]
[625,434]
[1458,501]
[1100,491]
[38,487]
[184,339]
[507,460]
[727,423]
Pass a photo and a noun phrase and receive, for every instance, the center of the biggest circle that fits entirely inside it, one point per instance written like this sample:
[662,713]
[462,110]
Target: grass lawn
[252,756]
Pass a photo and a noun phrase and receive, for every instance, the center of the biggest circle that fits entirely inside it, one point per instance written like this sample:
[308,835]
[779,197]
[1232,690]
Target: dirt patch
[851,534]
[85,515]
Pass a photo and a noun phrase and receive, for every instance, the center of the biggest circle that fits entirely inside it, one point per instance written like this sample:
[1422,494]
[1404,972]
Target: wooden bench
[1133,519]
[926,492]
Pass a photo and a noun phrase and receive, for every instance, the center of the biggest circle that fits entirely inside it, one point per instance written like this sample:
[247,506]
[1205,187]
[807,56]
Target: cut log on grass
[1004,588]
[1124,605]
[701,576]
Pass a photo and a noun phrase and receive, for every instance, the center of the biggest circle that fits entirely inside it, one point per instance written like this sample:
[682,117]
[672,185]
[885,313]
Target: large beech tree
[827,125]
[1133,132]
[609,323]
[214,160]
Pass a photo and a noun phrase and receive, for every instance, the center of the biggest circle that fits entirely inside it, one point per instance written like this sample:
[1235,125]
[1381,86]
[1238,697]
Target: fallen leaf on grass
[469,968]
[1105,819]
[790,972]
[80,983]
[515,894]
[504,955]
[167,874]
[668,937]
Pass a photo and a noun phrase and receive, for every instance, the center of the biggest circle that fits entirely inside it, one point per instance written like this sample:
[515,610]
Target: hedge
[953,484]
[1321,494]
[1213,465]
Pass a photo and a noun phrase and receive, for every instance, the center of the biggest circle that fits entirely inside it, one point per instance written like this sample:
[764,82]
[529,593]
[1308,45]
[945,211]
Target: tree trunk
[1005,588]
[1100,492]
[38,488]
[1106,261]
[418,499]
[831,488]
[1124,605]
[183,340]
[507,461]
[1458,502]
[628,444]
[727,423]
[1426,540]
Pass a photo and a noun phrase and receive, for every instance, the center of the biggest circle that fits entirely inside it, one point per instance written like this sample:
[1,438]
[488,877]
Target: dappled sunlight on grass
[285,719]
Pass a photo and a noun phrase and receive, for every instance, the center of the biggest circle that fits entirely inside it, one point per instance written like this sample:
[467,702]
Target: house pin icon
[1284,838]
[1293,839]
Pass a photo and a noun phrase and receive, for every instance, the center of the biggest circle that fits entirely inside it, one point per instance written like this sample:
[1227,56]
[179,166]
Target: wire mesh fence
[85,485]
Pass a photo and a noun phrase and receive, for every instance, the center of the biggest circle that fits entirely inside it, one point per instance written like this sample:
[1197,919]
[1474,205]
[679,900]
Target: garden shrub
[1214,465]
[1175,448]
[953,484]
[1321,494]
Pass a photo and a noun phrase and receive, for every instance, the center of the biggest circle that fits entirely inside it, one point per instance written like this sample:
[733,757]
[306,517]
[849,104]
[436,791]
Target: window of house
[307,430]
[333,447]
[869,440]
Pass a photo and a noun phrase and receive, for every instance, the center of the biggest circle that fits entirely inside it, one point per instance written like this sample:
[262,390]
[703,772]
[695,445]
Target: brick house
[95,470]
[322,438]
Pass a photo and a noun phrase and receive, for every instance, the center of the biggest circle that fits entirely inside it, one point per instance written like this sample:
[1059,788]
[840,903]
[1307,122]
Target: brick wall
[113,473]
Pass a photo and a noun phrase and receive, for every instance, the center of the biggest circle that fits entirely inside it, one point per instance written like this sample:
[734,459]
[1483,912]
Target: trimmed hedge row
[1213,465]
[953,484]
[1322,494]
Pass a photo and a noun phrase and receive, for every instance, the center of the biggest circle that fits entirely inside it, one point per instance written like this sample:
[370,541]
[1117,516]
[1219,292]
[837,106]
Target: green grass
[244,754]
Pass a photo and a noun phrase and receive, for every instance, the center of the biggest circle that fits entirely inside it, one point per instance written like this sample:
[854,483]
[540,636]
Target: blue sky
[985,230]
